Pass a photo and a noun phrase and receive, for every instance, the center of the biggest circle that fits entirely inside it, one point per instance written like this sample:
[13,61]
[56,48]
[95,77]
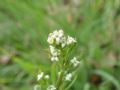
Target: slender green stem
[63,68]
[60,78]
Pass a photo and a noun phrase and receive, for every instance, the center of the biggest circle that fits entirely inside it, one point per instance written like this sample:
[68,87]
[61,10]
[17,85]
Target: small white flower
[57,40]
[50,39]
[63,42]
[54,51]
[54,58]
[55,33]
[51,87]
[68,77]
[61,33]
[40,76]
[75,62]
[47,77]
[37,87]
[63,45]
[70,40]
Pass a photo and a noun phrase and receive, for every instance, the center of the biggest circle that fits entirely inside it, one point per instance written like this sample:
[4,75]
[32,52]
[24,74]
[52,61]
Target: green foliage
[24,27]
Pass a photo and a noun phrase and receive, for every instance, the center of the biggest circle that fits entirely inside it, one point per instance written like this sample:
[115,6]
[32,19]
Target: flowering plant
[60,47]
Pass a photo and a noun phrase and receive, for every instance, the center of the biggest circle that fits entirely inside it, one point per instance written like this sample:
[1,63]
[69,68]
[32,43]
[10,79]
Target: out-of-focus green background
[24,27]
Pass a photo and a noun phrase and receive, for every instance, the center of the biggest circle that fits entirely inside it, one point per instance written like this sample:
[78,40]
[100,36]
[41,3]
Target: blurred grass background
[24,27]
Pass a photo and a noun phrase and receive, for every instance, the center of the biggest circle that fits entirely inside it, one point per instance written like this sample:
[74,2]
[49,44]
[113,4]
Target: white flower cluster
[68,77]
[55,37]
[55,53]
[41,75]
[75,62]
[70,40]
[58,38]
[51,87]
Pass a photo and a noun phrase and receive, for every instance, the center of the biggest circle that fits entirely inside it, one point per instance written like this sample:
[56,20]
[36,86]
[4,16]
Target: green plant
[64,69]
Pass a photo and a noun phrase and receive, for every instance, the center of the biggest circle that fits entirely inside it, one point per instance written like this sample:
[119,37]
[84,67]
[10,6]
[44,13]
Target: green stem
[59,81]
[60,78]
[63,68]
